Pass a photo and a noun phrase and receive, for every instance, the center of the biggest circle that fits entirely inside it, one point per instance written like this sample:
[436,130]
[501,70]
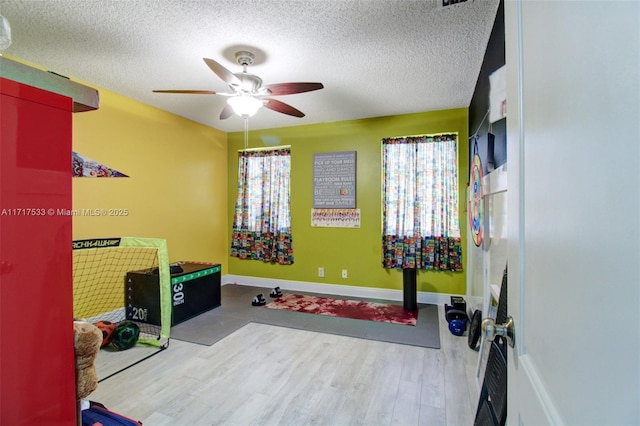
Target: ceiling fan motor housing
[250,83]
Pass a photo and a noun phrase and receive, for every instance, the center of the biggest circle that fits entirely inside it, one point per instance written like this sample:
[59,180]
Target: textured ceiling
[375,58]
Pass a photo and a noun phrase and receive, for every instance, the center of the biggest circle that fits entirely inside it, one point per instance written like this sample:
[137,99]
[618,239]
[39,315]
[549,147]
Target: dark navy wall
[494,58]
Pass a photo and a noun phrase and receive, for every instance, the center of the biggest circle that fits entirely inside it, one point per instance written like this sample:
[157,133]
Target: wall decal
[86,167]
[335,218]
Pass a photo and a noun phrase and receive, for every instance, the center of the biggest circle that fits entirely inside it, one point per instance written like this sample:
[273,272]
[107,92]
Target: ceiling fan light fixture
[245,106]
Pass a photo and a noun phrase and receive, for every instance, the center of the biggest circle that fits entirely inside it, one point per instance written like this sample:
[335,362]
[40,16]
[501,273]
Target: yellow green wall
[177,189]
[357,250]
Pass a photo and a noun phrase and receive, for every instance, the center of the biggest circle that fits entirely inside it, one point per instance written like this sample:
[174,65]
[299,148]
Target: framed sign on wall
[334,180]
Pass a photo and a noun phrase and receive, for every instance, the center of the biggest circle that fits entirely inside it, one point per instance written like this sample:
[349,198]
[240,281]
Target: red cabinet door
[37,363]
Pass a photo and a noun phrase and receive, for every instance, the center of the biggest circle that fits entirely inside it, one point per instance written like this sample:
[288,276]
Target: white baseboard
[344,290]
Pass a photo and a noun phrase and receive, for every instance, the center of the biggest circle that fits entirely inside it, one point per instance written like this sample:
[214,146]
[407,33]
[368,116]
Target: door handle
[507,330]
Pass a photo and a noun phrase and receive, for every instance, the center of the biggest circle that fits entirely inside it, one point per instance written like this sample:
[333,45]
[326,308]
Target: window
[420,203]
[262,218]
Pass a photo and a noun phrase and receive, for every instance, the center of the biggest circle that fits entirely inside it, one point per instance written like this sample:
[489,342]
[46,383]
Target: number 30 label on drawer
[178,294]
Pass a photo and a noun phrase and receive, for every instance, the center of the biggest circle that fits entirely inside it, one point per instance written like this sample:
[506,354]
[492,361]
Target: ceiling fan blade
[226,112]
[278,106]
[190,92]
[226,75]
[291,88]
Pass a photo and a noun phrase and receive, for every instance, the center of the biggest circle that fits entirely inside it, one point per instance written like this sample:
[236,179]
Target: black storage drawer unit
[193,291]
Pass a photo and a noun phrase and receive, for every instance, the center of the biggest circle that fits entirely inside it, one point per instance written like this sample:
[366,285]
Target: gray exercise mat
[236,311]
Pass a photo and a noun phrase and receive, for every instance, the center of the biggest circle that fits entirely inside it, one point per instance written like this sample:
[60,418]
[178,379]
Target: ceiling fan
[248,94]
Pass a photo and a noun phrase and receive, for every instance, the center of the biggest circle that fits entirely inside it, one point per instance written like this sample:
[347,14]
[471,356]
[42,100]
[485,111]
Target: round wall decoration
[475,209]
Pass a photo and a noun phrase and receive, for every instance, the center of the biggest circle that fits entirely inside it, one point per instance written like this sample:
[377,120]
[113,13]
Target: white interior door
[574,211]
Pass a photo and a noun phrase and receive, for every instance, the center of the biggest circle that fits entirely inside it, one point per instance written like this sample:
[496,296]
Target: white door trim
[540,391]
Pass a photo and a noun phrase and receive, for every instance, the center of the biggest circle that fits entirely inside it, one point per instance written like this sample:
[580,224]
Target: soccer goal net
[101,291]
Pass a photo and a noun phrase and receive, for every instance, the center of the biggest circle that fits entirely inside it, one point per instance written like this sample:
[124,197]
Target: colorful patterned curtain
[262,219]
[421,228]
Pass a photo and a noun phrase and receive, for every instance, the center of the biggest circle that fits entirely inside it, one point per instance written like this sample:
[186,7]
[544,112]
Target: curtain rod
[265,148]
[481,123]
[423,135]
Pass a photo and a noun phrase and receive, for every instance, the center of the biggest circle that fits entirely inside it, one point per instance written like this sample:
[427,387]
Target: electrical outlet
[344,273]
[321,272]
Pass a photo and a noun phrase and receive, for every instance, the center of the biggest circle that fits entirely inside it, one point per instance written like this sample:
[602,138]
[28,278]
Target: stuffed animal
[88,339]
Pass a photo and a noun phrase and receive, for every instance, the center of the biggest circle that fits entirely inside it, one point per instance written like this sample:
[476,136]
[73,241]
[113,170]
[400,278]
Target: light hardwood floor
[267,375]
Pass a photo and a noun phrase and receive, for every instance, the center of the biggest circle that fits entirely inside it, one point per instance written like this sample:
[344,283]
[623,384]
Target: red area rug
[354,309]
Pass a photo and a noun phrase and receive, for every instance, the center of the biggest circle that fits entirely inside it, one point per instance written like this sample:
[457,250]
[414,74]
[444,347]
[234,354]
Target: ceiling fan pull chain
[246,132]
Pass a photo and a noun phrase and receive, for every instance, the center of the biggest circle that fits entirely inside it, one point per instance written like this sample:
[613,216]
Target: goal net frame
[164,277]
